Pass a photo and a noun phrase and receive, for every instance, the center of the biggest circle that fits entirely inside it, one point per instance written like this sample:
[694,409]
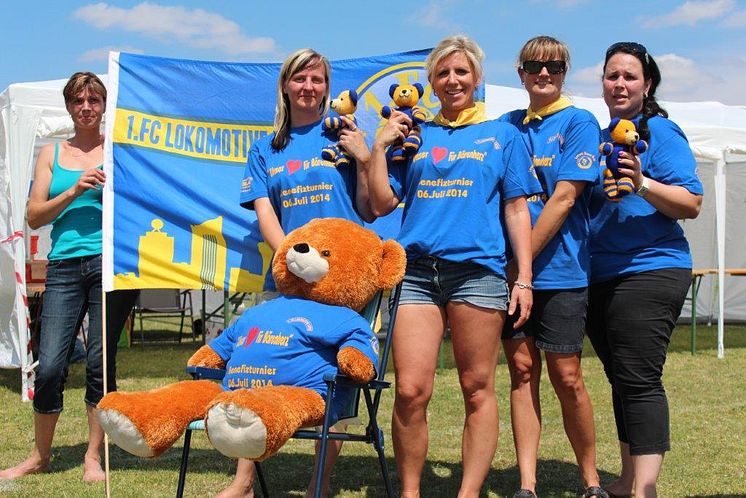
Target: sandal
[524,493]
[596,491]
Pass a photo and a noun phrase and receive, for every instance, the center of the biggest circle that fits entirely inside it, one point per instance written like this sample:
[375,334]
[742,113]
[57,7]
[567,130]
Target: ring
[353,129]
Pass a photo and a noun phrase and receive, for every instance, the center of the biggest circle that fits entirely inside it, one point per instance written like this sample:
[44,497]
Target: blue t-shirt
[293,341]
[454,188]
[300,185]
[564,146]
[631,236]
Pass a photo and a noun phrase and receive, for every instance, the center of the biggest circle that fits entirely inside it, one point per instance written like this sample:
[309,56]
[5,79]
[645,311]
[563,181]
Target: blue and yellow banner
[178,136]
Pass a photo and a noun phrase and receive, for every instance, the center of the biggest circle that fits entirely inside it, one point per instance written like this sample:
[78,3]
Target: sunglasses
[553,67]
[634,47]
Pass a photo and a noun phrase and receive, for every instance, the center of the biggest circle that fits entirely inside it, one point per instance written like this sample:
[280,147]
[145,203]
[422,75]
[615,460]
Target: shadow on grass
[11,379]
[717,496]
[289,473]
[555,478]
[285,473]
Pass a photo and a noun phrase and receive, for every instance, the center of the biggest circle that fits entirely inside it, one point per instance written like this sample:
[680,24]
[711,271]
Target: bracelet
[521,285]
[644,187]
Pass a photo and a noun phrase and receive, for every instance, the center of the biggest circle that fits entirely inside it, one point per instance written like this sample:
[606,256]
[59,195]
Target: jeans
[630,321]
[73,288]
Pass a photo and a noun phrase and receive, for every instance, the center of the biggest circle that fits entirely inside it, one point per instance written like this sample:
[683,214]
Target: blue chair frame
[371,392]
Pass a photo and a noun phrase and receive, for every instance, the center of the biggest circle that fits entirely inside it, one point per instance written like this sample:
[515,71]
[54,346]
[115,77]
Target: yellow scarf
[555,106]
[472,115]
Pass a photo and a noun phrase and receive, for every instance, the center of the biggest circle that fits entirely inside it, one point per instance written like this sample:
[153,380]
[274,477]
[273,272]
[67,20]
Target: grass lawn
[708,420]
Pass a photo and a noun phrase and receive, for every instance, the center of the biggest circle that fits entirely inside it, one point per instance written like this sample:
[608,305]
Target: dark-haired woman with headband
[640,266]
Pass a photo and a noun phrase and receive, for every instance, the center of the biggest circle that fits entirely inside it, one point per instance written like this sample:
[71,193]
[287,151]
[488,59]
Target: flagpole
[104,332]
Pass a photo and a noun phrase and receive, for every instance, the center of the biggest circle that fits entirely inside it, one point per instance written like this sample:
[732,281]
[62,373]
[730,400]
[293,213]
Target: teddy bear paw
[124,434]
[235,431]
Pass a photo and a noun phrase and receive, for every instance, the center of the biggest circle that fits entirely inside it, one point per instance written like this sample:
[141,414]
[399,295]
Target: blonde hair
[451,45]
[295,63]
[542,48]
[81,81]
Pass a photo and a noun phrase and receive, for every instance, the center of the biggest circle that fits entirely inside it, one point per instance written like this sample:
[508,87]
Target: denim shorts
[430,280]
[557,321]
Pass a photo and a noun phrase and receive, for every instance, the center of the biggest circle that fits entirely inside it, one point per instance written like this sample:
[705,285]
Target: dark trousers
[73,288]
[630,321]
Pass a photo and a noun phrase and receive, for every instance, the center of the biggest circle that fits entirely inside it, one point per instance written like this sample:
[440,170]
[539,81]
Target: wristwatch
[642,191]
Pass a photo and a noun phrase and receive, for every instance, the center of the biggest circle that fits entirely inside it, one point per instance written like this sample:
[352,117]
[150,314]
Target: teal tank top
[76,232]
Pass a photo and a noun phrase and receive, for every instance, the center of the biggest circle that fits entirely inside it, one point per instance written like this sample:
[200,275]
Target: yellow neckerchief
[472,115]
[552,108]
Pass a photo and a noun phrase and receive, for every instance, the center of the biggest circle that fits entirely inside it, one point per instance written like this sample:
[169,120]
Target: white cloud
[736,19]
[691,13]
[434,15]
[588,75]
[196,28]
[683,79]
[102,54]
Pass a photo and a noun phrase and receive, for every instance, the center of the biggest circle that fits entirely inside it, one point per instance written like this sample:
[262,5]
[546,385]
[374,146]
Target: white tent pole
[720,193]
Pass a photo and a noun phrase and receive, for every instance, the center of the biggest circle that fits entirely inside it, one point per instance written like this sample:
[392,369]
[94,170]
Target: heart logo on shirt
[293,166]
[439,153]
[251,336]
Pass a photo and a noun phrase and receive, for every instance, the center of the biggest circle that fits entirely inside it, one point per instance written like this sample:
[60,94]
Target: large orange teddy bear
[276,354]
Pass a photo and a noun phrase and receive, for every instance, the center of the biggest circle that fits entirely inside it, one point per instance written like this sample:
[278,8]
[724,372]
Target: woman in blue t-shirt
[563,141]
[66,192]
[288,184]
[640,266]
[468,181]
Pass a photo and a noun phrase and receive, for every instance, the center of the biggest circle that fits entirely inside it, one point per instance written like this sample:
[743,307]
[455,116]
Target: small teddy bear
[406,97]
[625,138]
[345,105]
[276,354]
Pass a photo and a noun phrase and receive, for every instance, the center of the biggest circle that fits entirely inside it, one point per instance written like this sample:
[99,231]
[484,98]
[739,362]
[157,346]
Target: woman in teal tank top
[66,192]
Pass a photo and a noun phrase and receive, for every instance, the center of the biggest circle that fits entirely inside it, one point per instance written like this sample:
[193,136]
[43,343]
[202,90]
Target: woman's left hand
[629,165]
[352,140]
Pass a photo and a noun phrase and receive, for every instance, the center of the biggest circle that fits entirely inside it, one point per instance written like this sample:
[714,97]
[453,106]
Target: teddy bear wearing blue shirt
[329,263]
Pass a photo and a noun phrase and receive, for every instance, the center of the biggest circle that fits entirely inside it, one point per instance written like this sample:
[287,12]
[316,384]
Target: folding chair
[371,392]
[164,303]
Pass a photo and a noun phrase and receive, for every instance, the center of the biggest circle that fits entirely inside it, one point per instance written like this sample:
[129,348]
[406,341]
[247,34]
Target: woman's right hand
[395,129]
[92,178]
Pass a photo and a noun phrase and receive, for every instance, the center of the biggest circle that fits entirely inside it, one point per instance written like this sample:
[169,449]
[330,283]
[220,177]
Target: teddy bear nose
[301,248]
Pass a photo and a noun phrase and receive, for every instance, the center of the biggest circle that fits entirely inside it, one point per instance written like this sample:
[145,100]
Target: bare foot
[236,491]
[32,465]
[92,471]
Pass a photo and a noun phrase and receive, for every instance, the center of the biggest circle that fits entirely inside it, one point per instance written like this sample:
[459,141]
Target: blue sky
[699,44]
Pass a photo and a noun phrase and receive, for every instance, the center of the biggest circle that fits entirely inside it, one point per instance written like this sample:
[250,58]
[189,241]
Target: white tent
[31,114]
